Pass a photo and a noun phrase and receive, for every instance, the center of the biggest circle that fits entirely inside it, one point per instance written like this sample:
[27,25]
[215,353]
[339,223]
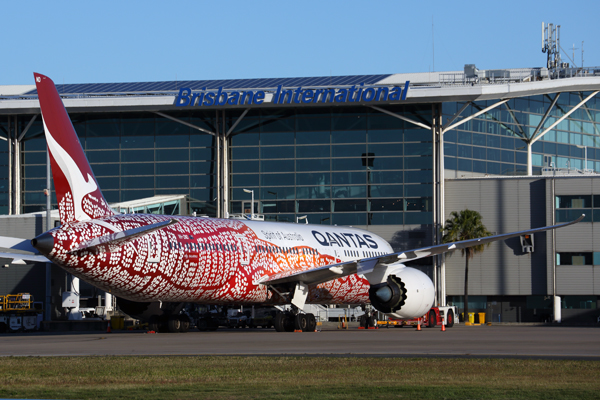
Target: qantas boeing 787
[159,258]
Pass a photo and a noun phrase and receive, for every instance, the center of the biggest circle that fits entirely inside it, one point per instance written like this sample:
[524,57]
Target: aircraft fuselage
[213,261]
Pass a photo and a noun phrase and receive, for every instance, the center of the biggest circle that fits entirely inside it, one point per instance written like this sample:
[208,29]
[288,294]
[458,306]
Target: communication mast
[551,45]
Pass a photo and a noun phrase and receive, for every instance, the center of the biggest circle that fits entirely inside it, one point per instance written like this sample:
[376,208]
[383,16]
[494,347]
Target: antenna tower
[551,45]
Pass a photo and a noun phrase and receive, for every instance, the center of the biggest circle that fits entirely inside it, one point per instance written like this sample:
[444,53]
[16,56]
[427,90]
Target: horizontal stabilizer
[17,244]
[118,238]
[24,258]
[314,276]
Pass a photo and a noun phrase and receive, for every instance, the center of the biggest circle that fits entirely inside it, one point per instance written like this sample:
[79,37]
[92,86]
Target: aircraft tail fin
[77,191]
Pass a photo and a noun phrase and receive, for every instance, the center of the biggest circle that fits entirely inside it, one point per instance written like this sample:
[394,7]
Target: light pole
[251,204]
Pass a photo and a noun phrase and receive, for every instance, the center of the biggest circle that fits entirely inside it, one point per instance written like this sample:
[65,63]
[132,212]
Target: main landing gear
[287,321]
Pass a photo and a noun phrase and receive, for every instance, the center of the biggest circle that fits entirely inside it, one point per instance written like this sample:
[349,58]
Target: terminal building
[394,154]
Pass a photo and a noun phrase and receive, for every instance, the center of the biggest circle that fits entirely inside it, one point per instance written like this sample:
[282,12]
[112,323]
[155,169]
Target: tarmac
[498,341]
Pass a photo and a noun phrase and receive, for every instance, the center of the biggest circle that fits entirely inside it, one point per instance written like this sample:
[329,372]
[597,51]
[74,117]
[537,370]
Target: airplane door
[244,248]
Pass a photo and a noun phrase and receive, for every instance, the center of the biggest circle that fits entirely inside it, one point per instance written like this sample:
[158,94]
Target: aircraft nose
[43,243]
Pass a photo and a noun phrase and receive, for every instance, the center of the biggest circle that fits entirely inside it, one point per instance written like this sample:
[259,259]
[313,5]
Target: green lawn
[296,377]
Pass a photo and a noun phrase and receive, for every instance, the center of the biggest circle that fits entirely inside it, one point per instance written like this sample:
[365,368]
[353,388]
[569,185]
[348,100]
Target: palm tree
[465,225]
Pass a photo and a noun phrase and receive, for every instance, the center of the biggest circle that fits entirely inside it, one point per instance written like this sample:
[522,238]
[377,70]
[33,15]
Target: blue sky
[124,41]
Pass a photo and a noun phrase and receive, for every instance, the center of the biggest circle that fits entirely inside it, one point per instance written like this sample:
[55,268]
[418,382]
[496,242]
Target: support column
[529,160]
[10,167]
[14,162]
[17,174]
[438,199]
[218,151]
[225,161]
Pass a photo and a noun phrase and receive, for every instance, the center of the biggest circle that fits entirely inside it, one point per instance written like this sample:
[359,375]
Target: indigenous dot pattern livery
[201,260]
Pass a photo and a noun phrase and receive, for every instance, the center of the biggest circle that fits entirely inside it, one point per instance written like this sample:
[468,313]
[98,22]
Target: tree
[465,225]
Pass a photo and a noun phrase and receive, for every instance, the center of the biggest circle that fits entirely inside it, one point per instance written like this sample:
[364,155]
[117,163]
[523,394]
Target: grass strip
[295,377]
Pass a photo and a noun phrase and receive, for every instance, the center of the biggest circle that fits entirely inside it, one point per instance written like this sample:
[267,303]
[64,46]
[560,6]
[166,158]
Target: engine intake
[389,296]
[401,292]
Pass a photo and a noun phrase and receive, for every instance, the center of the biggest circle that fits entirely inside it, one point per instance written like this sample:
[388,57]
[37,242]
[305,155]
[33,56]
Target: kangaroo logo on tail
[79,197]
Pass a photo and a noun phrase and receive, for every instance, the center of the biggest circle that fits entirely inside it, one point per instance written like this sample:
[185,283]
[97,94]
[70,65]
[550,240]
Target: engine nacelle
[403,293]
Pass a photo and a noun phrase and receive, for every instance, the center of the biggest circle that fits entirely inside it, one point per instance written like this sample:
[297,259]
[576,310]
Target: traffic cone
[108,329]
[443,327]
[419,325]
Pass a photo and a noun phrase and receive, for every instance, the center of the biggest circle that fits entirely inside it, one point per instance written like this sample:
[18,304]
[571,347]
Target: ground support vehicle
[442,315]
[19,313]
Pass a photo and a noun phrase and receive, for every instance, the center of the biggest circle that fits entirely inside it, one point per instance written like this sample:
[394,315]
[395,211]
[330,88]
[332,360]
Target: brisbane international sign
[353,94]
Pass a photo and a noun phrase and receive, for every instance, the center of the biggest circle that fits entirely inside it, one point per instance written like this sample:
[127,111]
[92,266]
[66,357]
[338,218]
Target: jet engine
[402,293]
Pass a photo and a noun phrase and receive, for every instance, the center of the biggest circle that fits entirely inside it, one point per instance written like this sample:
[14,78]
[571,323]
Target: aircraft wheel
[154,323]
[431,320]
[312,322]
[184,323]
[372,321]
[450,319]
[301,322]
[363,322]
[174,324]
[279,322]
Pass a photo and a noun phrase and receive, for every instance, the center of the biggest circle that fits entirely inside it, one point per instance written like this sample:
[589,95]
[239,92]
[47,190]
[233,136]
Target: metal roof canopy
[159,96]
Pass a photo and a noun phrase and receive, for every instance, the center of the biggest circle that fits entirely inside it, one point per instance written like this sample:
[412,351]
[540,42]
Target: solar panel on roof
[124,87]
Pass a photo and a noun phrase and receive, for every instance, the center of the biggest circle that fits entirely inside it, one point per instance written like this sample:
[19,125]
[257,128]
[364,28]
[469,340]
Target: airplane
[162,259]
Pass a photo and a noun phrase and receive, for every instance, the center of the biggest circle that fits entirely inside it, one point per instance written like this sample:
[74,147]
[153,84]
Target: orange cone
[419,325]
[443,327]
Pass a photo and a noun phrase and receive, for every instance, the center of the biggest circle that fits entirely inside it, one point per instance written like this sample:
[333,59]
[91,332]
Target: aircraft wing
[20,245]
[314,276]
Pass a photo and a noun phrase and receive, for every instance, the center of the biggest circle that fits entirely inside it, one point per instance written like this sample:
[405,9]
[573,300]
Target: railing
[515,75]
[567,171]
[16,302]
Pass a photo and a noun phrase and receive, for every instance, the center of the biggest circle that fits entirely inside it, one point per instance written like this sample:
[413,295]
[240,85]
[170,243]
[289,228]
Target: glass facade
[335,165]
[493,142]
[132,155]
